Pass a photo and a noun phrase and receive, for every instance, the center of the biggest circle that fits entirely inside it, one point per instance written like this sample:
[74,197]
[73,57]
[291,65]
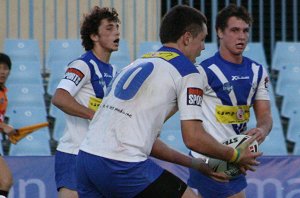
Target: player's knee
[189,193]
[6,183]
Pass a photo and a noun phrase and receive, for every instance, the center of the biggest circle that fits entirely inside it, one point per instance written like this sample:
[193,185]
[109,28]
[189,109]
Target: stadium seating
[28,115]
[173,138]
[173,123]
[256,52]
[25,72]
[148,46]
[25,95]
[210,50]
[57,70]
[59,123]
[291,102]
[64,50]
[274,144]
[52,84]
[30,146]
[121,58]
[171,134]
[293,131]
[59,127]
[22,49]
[288,79]
[285,53]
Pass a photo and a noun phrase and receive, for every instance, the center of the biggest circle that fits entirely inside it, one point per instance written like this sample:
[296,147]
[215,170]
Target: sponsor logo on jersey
[94,103]
[194,96]
[232,114]
[74,75]
[227,87]
[106,75]
[164,55]
[239,78]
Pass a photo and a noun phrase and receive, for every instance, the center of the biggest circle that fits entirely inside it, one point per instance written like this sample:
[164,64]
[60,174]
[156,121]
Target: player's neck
[230,57]
[101,54]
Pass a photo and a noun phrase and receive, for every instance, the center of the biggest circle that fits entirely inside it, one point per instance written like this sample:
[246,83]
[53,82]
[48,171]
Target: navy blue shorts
[102,177]
[210,188]
[65,167]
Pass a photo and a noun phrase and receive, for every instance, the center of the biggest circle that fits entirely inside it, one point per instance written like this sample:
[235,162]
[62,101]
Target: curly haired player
[81,90]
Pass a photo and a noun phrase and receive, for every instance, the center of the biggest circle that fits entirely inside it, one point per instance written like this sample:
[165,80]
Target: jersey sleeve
[263,87]
[77,74]
[190,96]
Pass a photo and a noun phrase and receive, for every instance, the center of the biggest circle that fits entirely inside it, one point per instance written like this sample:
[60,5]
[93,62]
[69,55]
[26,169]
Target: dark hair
[179,20]
[4,59]
[230,11]
[92,21]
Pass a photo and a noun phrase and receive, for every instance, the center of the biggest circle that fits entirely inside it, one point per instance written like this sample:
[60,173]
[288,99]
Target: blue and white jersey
[229,91]
[86,79]
[142,95]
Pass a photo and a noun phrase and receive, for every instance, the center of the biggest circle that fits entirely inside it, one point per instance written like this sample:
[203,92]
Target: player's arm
[63,100]
[197,139]
[263,120]
[162,151]
[262,109]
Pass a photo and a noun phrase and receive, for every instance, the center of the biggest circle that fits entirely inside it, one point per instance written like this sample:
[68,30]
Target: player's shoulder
[209,61]
[250,61]
[174,59]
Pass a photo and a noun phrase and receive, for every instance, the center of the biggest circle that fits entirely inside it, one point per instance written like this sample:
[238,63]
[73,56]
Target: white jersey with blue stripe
[86,79]
[229,91]
[142,96]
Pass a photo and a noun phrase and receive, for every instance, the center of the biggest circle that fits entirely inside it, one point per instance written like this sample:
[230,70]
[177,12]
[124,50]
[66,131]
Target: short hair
[230,11]
[92,21]
[179,20]
[4,59]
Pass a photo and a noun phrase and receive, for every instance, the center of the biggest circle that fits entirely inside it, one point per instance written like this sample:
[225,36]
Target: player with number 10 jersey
[131,116]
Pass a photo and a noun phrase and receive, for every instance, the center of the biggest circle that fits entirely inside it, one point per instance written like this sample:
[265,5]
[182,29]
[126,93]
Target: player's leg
[211,188]
[67,193]
[65,175]
[85,187]
[189,193]
[6,179]
[167,185]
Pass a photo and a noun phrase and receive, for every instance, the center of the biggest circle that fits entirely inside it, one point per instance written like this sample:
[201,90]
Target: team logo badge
[194,96]
[227,87]
[74,75]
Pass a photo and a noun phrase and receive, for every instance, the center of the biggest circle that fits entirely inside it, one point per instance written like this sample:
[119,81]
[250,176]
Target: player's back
[132,114]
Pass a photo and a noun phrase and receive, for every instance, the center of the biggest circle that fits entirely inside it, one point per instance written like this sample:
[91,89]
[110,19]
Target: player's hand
[8,129]
[258,132]
[200,165]
[246,157]
[244,169]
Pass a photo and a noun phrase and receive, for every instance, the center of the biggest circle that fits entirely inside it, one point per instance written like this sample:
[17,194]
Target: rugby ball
[228,168]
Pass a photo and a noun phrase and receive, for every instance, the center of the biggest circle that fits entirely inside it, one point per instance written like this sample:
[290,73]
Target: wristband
[235,156]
